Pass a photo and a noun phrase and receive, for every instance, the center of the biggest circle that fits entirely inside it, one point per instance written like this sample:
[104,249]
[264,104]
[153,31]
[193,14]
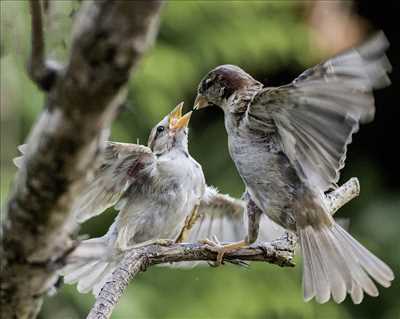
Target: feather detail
[317,114]
[90,264]
[336,264]
[120,165]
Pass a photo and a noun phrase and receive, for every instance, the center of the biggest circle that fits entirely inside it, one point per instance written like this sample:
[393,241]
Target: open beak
[183,122]
[200,102]
[176,113]
[176,120]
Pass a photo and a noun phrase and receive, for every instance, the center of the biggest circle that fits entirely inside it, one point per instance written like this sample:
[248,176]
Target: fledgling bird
[289,144]
[161,195]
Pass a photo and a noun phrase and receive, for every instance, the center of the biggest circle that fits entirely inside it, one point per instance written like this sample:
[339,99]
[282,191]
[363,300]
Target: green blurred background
[274,41]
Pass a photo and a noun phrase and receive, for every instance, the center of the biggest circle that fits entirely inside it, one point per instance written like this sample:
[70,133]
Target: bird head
[171,132]
[220,84]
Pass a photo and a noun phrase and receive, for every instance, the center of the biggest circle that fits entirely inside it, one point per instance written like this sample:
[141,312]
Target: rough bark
[108,39]
[279,252]
[342,195]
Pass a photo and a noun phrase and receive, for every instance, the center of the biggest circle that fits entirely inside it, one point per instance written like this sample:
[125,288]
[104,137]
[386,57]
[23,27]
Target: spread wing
[317,113]
[219,215]
[225,217]
[118,168]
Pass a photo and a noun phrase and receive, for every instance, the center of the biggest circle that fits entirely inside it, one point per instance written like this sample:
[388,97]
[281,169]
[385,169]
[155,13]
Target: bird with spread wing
[289,144]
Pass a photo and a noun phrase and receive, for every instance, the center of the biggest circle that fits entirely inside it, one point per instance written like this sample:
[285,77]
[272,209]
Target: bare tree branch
[37,38]
[108,39]
[342,195]
[42,73]
[279,252]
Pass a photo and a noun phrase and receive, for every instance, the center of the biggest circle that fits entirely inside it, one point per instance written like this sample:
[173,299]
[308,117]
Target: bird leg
[221,249]
[254,213]
[189,222]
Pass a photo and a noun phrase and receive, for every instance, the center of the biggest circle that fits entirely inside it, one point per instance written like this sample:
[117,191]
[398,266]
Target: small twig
[279,252]
[342,195]
[37,58]
[41,73]
[37,33]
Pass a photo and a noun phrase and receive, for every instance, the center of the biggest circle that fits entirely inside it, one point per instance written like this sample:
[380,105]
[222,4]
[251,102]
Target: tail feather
[359,275]
[91,278]
[322,292]
[338,275]
[308,271]
[373,265]
[91,265]
[79,273]
[356,294]
[336,264]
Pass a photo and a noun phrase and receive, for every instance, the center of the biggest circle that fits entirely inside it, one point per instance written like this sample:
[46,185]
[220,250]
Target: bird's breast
[267,173]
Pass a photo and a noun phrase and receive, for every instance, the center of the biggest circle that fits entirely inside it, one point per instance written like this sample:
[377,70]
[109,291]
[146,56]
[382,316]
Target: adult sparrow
[289,143]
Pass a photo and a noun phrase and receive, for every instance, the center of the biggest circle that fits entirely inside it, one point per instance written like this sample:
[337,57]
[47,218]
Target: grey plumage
[160,193]
[289,144]
[154,189]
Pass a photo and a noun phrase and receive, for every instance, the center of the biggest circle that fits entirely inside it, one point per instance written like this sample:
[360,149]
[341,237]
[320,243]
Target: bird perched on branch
[289,143]
[161,196]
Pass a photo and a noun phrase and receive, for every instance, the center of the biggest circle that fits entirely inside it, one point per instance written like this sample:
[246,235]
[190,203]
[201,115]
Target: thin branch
[108,39]
[42,73]
[279,252]
[37,38]
[342,195]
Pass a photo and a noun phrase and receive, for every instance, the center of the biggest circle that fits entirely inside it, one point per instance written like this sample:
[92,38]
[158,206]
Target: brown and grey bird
[160,193]
[289,144]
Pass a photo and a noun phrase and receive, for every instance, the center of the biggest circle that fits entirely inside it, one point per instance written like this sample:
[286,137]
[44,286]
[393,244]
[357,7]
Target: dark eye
[160,129]
[206,84]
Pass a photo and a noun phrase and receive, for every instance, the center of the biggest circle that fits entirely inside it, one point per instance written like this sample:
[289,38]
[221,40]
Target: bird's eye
[206,84]
[160,129]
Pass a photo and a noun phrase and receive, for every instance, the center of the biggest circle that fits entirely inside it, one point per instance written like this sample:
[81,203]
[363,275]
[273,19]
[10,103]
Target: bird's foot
[216,246]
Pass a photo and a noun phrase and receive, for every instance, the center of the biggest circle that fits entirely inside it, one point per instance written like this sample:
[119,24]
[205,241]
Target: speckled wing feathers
[319,111]
[120,163]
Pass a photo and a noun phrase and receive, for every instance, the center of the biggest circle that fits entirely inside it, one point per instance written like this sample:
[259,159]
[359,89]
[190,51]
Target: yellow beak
[176,120]
[175,114]
[183,122]
[200,102]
